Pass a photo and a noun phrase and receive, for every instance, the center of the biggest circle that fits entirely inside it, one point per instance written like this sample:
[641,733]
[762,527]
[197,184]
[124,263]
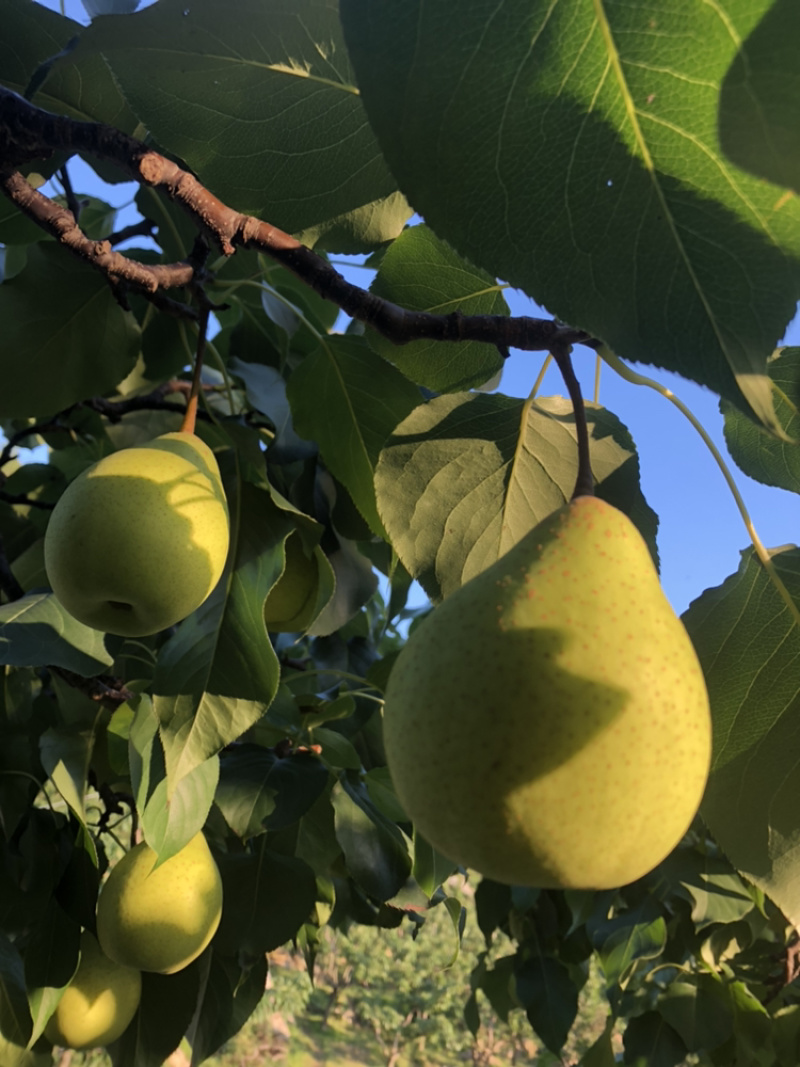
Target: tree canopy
[633,168]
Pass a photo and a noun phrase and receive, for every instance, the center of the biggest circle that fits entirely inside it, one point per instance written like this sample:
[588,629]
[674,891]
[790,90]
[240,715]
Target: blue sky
[701,533]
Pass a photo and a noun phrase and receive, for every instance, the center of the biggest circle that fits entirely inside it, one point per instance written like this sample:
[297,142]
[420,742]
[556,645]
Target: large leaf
[759,105]
[749,647]
[218,674]
[270,91]
[165,1011]
[260,790]
[375,849]
[550,998]
[764,457]
[572,149]
[268,897]
[349,400]
[36,631]
[76,343]
[51,958]
[466,476]
[422,273]
[229,997]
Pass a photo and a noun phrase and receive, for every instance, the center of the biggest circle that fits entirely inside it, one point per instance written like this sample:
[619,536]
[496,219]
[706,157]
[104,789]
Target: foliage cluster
[633,169]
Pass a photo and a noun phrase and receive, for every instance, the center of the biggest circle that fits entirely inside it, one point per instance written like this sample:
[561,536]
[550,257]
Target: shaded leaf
[51,959]
[421,273]
[760,98]
[79,343]
[362,230]
[259,790]
[649,1041]
[267,896]
[166,1009]
[276,80]
[699,1009]
[640,933]
[65,756]
[15,1019]
[375,849]
[550,998]
[229,998]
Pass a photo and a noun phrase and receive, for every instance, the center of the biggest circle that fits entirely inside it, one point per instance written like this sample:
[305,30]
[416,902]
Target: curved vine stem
[624,371]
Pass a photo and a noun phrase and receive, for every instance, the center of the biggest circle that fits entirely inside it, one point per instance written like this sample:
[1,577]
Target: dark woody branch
[28,133]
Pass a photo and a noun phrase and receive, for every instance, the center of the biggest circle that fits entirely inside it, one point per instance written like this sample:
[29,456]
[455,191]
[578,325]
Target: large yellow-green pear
[291,603]
[160,918]
[99,1003]
[548,725]
[139,540]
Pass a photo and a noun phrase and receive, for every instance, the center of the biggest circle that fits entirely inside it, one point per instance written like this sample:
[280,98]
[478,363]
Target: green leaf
[431,868]
[640,933]
[65,757]
[698,1008]
[37,631]
[15,1019]
[259,790]
[572,150]
[716,892]
[51,959]
[229,998]
[421,273]
[218,674]
[601,1053]
[31,34]
[272,89]
[363,230]
[168,1003]
[749,647]
[375,849]
[349,400]
[550,999]
[760,99]
[763,457]
[466,476]
[267,897]
[171,819]
[77,344]
[651,1042]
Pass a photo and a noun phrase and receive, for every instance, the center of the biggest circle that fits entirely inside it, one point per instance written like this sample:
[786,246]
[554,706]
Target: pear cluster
[149,918]
[548,725]
[137,542]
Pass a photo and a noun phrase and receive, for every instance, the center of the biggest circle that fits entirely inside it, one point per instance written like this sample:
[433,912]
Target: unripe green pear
[137,542]
[160,918]
[548,725]
[291,602]
[98,1004]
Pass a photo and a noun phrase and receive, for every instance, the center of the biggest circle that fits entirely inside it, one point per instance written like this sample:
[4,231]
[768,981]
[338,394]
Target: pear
[548,724]
[137,542]
[291,603]
[98,1004]
[160,918]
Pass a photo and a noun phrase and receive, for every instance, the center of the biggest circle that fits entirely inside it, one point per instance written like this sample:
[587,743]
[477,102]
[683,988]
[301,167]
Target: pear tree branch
[28,133]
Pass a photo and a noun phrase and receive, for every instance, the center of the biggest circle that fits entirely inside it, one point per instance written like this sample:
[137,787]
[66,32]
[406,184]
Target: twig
[28,133]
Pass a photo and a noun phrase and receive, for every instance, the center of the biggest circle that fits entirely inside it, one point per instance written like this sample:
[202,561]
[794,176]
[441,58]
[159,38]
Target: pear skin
[548,725]
[137,542]
[98,1004]
[160,918]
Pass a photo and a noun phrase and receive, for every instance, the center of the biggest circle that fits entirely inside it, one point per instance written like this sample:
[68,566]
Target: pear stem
[190,417]
[584,484]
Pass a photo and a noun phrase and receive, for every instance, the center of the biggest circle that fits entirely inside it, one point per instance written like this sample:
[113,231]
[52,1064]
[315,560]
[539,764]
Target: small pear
[98,1004]
[137,542]
[160,918]
[291,602]
[548,725]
